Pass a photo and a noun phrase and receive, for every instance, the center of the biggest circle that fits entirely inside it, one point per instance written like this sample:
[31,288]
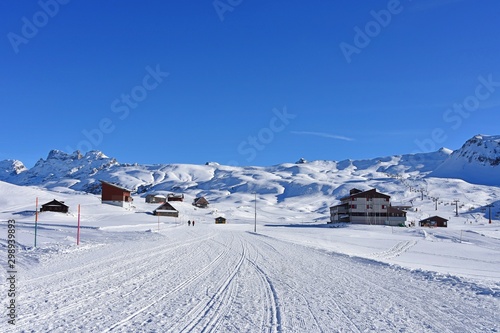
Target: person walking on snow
[193,223]
[189,223]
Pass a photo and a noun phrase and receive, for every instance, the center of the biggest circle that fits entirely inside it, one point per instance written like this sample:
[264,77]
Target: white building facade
[367,207]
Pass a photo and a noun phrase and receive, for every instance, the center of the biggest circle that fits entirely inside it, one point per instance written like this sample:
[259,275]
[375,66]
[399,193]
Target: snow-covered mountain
[75,171]
[477,161]
[82,172]
[9,168]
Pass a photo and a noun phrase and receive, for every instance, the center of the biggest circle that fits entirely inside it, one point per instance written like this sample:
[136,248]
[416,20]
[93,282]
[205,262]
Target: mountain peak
[74,170]
[56,154]
[445,150]
[483,148]
[485,137]
[11,167]
[95,155]
[477,161]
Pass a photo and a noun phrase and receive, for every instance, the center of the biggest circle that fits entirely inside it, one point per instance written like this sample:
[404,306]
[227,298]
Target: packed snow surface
[135,272]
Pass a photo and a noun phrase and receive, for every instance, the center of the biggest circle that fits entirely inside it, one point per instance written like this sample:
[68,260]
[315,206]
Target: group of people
[189,223]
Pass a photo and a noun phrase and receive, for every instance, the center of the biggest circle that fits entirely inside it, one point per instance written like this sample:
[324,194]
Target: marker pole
[78,229]
[36,218]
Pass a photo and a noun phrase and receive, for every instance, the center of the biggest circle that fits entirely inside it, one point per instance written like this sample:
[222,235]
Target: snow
[135,272]
[477,161]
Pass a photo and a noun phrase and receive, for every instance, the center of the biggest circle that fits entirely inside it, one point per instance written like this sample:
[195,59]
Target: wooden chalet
[220,220]
[54,206]
[155,198]
[115,195]
[434,221]
[175,197]
[200,202]
[166,209]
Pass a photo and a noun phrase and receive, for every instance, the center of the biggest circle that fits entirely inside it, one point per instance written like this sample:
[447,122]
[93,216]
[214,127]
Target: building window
[354,206]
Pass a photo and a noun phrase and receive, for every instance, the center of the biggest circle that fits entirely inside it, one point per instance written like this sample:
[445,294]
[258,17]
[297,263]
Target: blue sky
[246,82]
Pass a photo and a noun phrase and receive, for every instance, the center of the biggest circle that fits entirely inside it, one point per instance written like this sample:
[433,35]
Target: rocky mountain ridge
[478,161]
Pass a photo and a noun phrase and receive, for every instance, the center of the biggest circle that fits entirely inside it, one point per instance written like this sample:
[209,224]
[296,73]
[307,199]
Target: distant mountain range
[477,161]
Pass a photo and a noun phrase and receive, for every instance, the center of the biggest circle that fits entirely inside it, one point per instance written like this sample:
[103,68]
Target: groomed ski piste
[135,272]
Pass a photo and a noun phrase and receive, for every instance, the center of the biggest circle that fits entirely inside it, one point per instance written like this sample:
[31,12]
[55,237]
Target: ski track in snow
[395,251]
[210,279]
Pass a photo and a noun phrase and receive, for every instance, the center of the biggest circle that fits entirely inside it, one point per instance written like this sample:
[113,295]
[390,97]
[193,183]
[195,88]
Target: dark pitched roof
[201,200]
[166,206]
[354,191]
[340,205]
[434,218]
[366,194]
[54,203]
[392,209]
[117,186]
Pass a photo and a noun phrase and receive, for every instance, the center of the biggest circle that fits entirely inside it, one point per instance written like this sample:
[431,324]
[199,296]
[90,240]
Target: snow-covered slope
[82,172]
[478,161]
[229,278]
[135,272]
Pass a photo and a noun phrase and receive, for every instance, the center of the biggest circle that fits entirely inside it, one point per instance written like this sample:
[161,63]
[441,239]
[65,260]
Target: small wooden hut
[200,202]
[166,209]
[434,221]
[220,220]
[54,206]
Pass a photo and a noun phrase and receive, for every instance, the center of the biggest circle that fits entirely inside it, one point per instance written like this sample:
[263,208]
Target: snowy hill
[477,161]
[284,184]
[82,172]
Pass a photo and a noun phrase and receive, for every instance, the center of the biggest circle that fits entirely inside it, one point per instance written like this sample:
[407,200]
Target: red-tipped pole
[78,229]
[36,218]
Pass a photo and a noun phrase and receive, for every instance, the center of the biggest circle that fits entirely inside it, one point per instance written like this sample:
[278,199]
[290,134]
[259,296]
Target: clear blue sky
[246,82]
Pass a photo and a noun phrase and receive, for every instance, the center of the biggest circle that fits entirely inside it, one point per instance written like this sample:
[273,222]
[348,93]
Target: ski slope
[135,272]
[225,278]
